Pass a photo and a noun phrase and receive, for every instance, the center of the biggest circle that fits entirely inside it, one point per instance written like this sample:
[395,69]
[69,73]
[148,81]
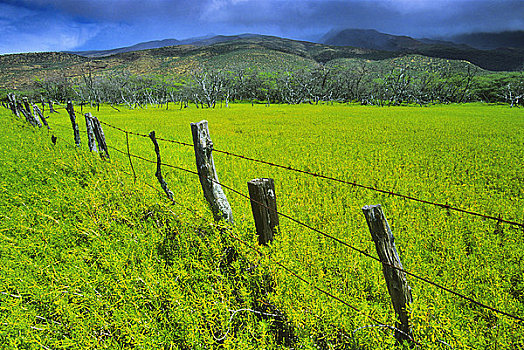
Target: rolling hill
[370,39]
[222,52]
[490,41]
[491,51]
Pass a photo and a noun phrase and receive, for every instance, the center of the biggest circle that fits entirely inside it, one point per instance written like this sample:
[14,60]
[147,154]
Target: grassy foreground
[90,259]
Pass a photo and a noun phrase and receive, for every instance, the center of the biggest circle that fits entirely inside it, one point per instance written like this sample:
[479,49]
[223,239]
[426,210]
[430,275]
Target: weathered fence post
[100,137]
[26,104]
[91,139]
[27,114]
[14,105]
[11,98]
[206,170]
[37,113]
[33,117]
[158,172]
[72,116]
[264,208]
[396,280]
[51,109]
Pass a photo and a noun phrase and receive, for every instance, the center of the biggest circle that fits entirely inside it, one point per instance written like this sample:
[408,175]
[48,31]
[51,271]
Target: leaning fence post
[91,140]
[13,104]
[396,280]
[264,208]
[72,116]
[33,117]
[206,170]
[158,172]
[100,137]
[37,113]
[26,104]
[27,115]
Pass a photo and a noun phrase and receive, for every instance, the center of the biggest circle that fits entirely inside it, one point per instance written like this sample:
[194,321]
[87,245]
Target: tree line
[206,87]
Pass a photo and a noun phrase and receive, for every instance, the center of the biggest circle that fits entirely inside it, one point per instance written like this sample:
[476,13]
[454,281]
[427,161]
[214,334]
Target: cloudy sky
[57,25]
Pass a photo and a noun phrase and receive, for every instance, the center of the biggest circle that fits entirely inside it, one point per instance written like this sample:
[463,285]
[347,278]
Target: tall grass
[91,259]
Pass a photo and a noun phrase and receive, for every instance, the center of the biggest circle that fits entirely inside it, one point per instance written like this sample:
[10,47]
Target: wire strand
[351,183]
[360,251]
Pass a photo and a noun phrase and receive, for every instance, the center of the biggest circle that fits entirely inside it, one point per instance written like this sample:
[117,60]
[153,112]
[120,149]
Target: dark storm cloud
[411,17]
[128,11]
[98,24]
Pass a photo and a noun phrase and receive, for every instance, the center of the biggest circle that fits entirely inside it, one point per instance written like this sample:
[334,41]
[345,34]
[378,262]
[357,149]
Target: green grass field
[90,259]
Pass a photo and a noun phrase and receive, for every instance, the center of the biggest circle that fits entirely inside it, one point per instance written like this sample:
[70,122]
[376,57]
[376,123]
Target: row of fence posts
[19,108]
[264,208]
[263,203]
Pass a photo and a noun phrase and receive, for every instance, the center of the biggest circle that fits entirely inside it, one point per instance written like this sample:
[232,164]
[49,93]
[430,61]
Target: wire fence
[260,252]
[287,269]
[301,223]
[499,219]
[360,251]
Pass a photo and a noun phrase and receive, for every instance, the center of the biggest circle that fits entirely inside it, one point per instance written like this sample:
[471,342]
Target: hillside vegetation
[91,259]
[19,71]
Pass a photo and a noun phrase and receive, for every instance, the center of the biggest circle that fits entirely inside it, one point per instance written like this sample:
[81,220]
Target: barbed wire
[287,269]
[309,283]
[318,231]
[234,237]
[360,251]
[351,183]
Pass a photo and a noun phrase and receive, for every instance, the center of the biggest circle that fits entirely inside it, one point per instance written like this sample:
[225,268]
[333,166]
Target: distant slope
[250,51]
[19,70]
[489,41]
[370,39]
[504,58]
[141,46]
[225,52]
[156,44]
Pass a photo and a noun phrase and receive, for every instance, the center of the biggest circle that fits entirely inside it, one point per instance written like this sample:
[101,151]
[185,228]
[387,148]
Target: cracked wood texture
[264,208]
[396,280]
[37,113]
[91,138]
[100,137]
[72,117]
[213,192]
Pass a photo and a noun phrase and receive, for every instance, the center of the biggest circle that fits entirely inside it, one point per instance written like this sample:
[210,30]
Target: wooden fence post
[158,172]
[25,101]
[396,280]
[51,109]
[32,117]
[12,104]
[100,137]
[37,113]
[91,139]
[262,195]
[72,116]
[27,115]
[208,176]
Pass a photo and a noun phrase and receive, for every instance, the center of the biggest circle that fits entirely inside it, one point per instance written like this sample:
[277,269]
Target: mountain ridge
[250,51]
[343,41]
[496,59]
[157,44]
[490,41]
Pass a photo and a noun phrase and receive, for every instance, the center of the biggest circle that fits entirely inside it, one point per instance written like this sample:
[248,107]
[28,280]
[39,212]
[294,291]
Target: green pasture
[91,259]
